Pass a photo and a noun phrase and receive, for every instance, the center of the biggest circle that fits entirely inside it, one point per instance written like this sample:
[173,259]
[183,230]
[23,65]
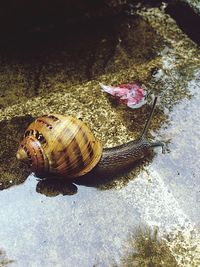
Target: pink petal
[130,94]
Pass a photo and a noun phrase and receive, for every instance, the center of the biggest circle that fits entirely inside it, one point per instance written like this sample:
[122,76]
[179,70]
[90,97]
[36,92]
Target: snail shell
[60,145]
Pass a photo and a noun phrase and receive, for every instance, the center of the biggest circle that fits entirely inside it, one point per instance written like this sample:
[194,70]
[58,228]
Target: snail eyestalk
[146,127]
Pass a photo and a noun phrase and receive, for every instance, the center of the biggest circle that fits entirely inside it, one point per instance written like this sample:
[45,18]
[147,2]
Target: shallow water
[91,226]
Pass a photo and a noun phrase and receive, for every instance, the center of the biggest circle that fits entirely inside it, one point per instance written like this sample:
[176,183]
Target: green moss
[4,261]
[12,171]
[148,250]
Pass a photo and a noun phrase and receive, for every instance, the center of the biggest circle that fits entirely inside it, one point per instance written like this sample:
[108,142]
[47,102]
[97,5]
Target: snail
[63,146]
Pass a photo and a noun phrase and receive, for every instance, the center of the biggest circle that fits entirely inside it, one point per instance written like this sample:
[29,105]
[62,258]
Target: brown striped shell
[60,145]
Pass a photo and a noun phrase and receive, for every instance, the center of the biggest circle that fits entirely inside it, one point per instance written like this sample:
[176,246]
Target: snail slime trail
[63,146]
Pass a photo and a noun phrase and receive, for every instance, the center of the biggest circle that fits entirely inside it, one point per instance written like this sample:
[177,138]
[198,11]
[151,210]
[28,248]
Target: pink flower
[130,94]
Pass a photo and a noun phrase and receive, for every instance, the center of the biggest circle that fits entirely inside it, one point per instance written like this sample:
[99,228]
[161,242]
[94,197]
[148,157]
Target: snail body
[64,146]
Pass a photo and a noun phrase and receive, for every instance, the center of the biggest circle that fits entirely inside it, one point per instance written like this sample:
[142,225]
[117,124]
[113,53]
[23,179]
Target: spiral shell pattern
[61,145]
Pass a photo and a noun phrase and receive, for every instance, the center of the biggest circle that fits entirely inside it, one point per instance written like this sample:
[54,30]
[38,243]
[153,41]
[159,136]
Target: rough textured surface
[91,225]
[194,4]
